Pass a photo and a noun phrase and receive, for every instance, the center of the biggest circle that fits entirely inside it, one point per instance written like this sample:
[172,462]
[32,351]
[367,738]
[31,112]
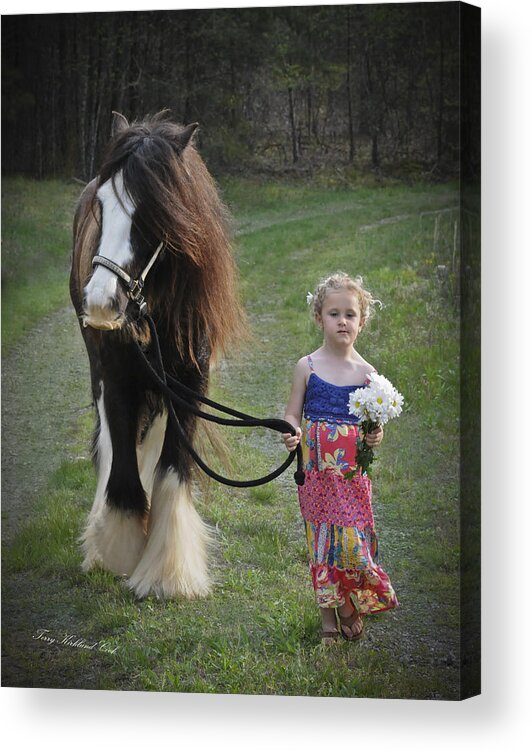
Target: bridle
[134,286]
[177,393]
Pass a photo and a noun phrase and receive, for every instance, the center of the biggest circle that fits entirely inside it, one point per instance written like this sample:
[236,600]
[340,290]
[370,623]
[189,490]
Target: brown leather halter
[134,286]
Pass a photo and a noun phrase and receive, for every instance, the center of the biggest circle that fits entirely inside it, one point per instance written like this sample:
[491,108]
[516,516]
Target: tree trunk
[233,88]
[375,157]
[293,130]
[309,113]
[440,103]
[349,93]
[188,72]
[83,93]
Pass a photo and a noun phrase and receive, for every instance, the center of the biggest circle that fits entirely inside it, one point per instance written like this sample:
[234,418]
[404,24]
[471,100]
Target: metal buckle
[143,306]
[134,286]
[135,289]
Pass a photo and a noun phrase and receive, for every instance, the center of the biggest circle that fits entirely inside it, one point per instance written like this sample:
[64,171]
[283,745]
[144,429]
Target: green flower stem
[365,453]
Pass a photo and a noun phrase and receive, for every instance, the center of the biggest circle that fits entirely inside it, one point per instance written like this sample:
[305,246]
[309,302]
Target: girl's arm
[294,407]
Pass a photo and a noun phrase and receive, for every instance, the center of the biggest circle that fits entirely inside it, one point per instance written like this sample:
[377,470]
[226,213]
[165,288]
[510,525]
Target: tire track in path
[45,388]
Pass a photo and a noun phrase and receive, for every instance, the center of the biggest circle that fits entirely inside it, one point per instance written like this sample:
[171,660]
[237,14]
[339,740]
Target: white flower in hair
[310,298]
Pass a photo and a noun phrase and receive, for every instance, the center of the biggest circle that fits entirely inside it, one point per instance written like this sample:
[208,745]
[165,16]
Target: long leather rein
[177,393]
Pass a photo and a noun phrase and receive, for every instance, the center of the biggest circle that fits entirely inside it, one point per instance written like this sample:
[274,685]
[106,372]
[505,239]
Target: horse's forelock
[149,159]
[151,137]
[169,189]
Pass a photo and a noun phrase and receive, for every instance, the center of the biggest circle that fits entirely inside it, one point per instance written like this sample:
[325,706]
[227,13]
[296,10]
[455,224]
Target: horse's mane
[87,229]
[194,289]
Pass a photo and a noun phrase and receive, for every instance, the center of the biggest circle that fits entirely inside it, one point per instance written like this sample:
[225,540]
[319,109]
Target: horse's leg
[149,452]
[115,533]
[102,455]
[175,559]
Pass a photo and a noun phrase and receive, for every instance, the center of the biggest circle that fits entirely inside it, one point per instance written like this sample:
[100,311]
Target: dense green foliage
[375,86]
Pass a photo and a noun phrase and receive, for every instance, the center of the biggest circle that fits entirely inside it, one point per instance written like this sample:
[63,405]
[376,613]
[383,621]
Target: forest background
[276,89]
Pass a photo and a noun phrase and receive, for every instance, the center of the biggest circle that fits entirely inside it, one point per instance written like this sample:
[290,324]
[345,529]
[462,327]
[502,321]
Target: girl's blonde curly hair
[342,281]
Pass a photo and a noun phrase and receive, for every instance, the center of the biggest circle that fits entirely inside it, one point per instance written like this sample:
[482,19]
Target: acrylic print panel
[338,140]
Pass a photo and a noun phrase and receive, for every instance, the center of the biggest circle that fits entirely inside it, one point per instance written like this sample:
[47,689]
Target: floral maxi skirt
[339,524]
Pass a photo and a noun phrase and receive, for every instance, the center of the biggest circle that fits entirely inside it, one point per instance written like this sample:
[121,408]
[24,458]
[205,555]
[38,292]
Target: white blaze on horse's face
[102,306]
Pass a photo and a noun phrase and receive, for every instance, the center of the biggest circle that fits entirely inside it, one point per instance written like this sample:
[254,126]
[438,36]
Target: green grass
[258,632]
[36,246]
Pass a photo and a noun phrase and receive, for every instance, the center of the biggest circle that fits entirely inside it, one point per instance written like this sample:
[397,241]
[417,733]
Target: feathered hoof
[113,540]
[175,560]
[170,587]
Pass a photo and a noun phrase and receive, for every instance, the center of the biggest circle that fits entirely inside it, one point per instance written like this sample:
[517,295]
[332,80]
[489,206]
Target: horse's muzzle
[104,312]
[103,324]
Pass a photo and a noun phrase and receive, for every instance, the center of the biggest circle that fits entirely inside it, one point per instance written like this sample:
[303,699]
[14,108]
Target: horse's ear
[183,138]
[120,123]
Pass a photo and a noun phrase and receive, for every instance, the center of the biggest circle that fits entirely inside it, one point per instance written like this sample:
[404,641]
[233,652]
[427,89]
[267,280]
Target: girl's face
[340,318]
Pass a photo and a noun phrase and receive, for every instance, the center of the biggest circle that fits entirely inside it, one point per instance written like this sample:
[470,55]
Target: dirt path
[402,217]
[45,388]
[246,226]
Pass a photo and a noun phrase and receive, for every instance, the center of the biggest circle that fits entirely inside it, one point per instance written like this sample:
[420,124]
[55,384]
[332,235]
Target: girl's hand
[290,441]
[374,438]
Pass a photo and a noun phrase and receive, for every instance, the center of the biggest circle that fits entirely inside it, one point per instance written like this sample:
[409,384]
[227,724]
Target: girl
[337,513]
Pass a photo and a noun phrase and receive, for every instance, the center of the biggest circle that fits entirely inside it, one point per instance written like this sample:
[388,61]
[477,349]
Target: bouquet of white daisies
[374,405]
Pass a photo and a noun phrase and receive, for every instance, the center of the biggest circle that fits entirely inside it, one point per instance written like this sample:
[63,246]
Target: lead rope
[170,387]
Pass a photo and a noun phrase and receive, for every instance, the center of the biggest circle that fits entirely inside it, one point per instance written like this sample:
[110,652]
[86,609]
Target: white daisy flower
[374,404]
[379,401]
[357,403]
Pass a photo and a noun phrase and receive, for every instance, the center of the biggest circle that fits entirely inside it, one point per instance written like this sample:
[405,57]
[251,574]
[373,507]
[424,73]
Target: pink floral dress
[337,512]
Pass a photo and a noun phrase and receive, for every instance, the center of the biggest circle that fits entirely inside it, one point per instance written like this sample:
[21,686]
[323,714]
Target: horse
[153,215]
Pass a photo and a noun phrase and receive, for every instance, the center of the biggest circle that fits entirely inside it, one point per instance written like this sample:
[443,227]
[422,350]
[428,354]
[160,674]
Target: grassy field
[36,231]
[258,633]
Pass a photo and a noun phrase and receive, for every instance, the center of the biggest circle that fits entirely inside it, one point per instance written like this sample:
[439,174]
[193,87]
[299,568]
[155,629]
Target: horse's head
[137,197]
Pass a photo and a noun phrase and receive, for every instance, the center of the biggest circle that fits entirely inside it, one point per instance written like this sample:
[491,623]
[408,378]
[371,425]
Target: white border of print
[57,719]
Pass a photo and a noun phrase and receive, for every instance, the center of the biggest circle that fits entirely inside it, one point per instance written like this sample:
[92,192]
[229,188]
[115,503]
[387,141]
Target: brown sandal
[349,622]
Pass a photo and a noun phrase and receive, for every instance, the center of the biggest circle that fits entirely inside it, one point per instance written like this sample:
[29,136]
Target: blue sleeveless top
[326,401]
